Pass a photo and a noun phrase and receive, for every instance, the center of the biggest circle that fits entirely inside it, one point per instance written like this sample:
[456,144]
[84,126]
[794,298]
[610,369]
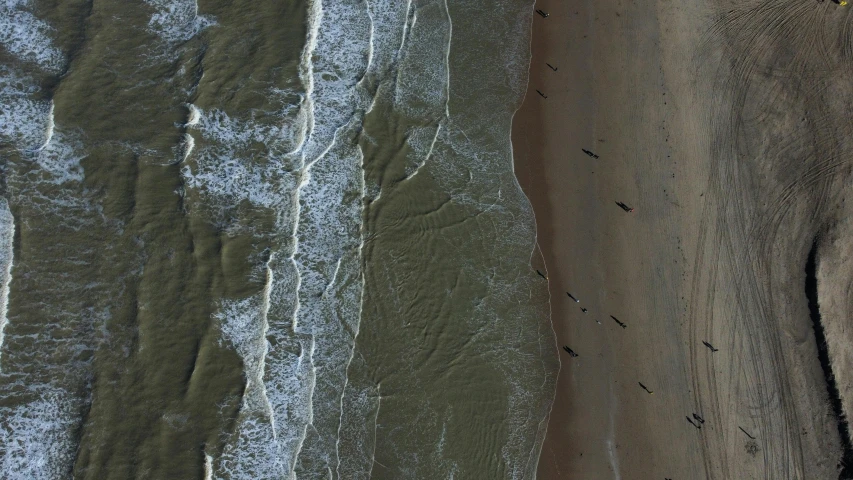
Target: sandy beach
[723,125]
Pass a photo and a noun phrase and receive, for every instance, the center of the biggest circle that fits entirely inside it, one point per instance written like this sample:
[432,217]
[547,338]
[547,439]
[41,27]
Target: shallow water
[266,240]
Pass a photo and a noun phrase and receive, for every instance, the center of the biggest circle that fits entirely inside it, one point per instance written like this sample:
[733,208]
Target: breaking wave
[7,235]
[177,21]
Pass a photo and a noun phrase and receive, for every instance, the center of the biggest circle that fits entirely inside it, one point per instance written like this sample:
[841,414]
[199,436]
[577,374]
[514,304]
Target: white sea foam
[60,159]
[208,467]
[316,286]
[423,80]
[177,21]
[338,61]
[309,173]
[28,123]
[274,409]
[35,438]
[186,147]
[253,452]
[23,119]
[328,259]
[226,176]
[244,325]
[27,37]
[423,77]
[194,115]
[7,235]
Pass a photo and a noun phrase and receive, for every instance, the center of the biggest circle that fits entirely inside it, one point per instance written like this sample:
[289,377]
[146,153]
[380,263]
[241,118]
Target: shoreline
[530,171]
[537,256]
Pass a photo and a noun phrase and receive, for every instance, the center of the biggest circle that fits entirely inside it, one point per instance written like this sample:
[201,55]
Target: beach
[720,124]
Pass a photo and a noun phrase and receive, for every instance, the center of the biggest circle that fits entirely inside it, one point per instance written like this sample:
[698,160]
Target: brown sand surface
[726,125]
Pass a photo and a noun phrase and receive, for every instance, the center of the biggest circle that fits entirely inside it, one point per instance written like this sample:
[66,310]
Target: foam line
[208,467]
[48,136]
[406,27]
[187,147]
[375,428]
[193,116]
[7,234]
[427,155]
[447,60]
[333,44]
[265,326]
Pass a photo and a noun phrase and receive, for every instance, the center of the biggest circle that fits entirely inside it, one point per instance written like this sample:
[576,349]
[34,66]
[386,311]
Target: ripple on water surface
[318,195]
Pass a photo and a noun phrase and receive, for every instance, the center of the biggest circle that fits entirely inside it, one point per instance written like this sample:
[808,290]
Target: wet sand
[722,124]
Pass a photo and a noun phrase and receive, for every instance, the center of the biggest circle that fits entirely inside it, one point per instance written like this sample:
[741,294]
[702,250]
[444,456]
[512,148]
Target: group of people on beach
[696,420]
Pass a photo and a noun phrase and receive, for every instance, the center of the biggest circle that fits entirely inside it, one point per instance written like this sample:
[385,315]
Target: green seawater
[267,240]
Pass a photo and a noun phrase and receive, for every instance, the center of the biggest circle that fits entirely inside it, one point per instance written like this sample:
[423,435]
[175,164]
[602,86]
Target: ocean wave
[25,119]
[253,452]
[225,175]
[7,235]
[185,148]
[27,37]
[337,59]
[328,258]
[422,87]
[177,21]
[297,337]
[423,78]
[36,442]
[59,158]
[314,294]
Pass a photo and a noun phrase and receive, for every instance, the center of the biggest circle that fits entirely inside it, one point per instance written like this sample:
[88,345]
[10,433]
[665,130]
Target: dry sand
[726,126]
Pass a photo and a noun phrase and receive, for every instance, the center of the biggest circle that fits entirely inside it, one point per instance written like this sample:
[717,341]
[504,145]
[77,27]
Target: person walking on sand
[625,207]
[570,351]
[692,422]
[572,297]
[646,389]
[552,67]
[544,14]
[589,153]
[541,94]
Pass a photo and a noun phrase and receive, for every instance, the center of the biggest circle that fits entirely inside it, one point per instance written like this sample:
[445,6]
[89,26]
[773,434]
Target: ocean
[267,240]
